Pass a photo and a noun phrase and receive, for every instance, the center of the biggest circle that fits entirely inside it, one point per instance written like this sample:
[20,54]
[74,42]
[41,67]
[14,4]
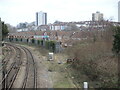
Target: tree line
[4,30]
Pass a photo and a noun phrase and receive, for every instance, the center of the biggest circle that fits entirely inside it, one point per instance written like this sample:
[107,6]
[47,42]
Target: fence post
[85,85]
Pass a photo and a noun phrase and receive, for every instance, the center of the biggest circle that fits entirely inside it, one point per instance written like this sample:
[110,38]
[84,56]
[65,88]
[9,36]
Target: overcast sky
[16,11]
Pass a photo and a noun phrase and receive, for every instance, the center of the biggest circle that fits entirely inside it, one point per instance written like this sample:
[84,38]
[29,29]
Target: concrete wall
[58,47]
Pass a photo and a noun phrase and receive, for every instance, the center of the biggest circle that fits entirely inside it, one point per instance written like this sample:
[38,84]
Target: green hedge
[33,40]
[38,42]
[41,42]
[16,39]
[27,40]
[21,39]
[50,45]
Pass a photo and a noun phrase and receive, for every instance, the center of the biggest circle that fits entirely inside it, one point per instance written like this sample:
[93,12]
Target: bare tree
[11,28]
[72,27]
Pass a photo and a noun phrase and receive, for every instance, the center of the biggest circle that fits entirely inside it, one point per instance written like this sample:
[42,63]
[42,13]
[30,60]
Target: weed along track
[24,71]
[19,69]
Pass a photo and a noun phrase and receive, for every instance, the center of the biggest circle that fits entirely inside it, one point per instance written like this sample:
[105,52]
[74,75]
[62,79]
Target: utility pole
[0,32]
[0,50]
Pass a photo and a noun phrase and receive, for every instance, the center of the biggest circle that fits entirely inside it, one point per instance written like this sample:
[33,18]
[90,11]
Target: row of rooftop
[66,37]
[41,23]
[82,25]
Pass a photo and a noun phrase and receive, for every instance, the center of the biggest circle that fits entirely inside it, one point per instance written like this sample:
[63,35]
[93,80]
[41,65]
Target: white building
[41,18]
[97,16]
[119,11]
[57,27]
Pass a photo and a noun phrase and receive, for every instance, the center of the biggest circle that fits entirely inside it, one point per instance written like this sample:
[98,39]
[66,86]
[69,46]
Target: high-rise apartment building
[119,11]
[97,16]
[41,18]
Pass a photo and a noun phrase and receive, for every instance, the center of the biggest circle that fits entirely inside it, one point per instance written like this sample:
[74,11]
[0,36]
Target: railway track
[10,54]
[30,78]
[6,58]
[31,67]
[10,74]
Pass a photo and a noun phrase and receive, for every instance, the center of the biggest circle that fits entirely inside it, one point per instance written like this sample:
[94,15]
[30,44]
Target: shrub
[16,39]
[33,40]
[41,42]
[27,40]
[47,44]
[50,45]
[94,60]
[21,39]
[38,42]
[116,42]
